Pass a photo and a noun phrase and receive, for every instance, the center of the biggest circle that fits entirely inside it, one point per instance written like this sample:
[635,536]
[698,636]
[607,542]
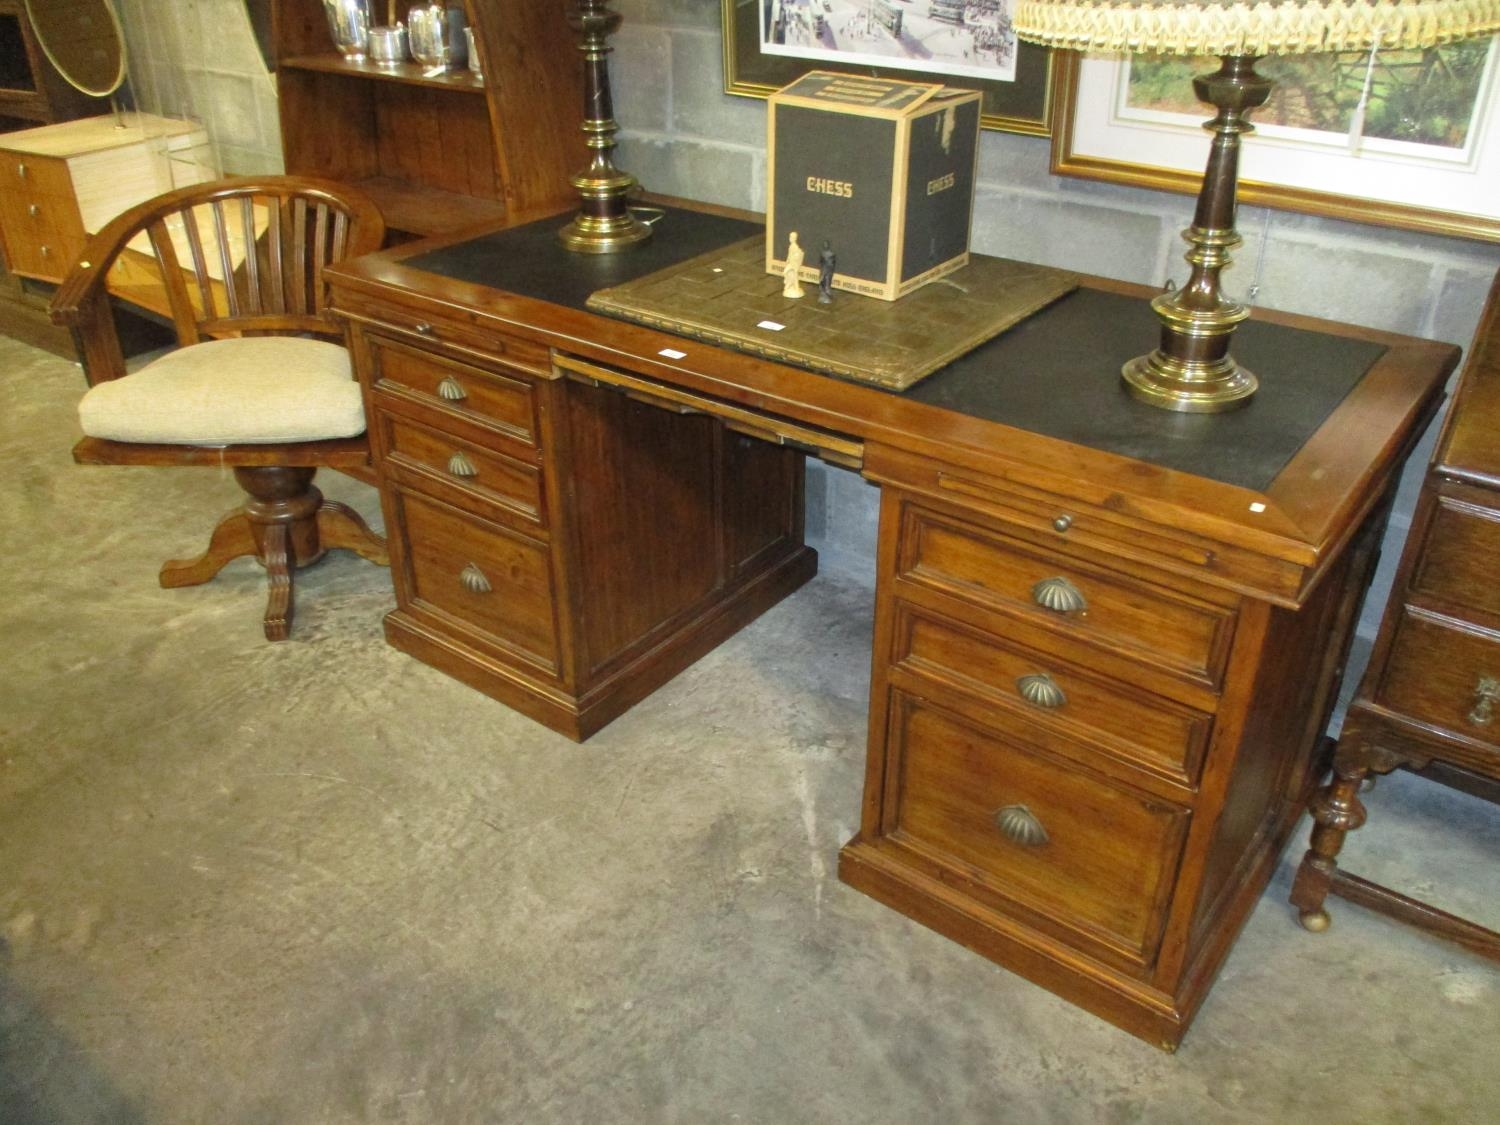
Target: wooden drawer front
[479,340]
[453,557]
[979,565]
[514,485]
[1099,860]
[1440,672]
[496,400]
[1458,558]
[43,235]
[1127,723]
[25,174]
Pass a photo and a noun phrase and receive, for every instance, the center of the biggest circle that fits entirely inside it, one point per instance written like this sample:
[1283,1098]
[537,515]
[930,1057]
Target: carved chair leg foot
[232,538]
[340,526]
[279,604]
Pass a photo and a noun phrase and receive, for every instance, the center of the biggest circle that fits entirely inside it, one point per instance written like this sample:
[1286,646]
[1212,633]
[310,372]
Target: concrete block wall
[199,59]
[682,135]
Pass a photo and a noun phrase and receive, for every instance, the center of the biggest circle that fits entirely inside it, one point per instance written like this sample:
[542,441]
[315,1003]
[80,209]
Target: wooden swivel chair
[256,383]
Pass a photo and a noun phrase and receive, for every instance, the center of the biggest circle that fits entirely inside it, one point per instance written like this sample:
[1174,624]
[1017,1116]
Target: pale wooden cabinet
[60,183]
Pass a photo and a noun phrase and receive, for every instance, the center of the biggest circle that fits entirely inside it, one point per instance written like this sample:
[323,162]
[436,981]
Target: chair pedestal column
[285,524]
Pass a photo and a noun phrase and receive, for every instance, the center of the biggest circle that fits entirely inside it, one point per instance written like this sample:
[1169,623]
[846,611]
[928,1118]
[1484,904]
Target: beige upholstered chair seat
[252,390]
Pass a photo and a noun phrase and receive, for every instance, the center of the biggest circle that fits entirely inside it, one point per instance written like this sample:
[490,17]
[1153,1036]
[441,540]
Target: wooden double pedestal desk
[1108,638]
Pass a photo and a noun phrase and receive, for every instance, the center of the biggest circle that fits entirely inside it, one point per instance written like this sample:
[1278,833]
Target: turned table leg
[1336,812]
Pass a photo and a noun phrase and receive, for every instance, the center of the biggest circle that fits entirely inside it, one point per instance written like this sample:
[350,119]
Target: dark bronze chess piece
[826,261]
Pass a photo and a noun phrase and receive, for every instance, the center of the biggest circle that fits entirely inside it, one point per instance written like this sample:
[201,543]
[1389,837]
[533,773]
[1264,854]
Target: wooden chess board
[727,297]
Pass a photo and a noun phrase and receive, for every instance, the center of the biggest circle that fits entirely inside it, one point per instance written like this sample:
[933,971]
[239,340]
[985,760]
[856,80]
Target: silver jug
[349,24]
[426,25]
[435,33]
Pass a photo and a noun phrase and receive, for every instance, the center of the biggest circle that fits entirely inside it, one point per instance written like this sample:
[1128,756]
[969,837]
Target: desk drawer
[484,576]
[1076,599]
[483,343]
[1441,672]
[497,400]
[514,485]
[1025,830]
[1058,691]
[1458,557]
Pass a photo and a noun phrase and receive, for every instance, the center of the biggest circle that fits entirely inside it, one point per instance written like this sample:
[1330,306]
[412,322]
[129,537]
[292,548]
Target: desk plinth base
[579,716]
[1129,1005]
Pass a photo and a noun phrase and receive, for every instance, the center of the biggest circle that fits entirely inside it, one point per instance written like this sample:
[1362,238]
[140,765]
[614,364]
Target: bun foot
[1314,921]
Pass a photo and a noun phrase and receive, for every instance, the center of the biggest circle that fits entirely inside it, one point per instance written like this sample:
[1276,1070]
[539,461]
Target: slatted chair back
[234,257]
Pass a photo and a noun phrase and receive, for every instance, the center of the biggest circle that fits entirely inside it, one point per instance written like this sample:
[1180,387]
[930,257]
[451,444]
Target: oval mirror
[82,39]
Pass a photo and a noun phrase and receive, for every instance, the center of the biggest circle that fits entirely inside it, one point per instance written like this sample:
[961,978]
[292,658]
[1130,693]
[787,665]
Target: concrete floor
[320,882]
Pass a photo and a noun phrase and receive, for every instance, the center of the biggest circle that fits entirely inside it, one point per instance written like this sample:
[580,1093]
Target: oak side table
[1431,694]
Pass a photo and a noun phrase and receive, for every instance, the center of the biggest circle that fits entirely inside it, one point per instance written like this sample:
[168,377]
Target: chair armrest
[82,304]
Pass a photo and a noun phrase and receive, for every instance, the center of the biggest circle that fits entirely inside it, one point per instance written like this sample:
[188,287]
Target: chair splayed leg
[285,525]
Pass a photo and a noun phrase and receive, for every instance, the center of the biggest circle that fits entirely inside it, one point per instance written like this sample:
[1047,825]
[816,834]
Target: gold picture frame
[1357,201]
[1023,106]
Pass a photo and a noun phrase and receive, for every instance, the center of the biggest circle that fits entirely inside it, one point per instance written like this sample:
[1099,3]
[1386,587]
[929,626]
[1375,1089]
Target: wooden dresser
[1430,697]
[60,183]
[1107,638]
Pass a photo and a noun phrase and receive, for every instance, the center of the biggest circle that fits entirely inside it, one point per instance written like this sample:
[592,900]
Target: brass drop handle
[473,580]
[46,251]
[1041,690]
[1485,694]
[1019,825]
[1059,595]
[22,171]
[424,329]
[460,466]
[452,390]
[33,210]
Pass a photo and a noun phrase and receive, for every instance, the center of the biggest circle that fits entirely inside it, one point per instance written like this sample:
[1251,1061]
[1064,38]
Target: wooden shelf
[411,73]
[427,211]
[444,153]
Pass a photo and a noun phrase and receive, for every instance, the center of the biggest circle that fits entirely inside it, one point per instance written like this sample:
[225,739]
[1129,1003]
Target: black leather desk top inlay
[1055,374]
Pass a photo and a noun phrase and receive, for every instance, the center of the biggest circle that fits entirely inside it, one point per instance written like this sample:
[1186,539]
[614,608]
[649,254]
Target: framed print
[863,45]
[1428,159]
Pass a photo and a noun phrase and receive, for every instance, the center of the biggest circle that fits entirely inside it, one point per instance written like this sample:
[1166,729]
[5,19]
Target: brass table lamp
[604,223]
[1191,370]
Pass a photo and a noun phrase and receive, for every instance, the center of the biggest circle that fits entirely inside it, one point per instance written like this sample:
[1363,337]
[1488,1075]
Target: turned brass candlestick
[604,223]
[1191,370]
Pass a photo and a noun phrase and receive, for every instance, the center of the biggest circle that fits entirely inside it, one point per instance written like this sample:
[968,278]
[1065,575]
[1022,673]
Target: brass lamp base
[604,223]
[603,234]
[1192,372]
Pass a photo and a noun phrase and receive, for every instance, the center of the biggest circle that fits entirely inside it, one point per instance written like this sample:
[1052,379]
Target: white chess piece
[791,284]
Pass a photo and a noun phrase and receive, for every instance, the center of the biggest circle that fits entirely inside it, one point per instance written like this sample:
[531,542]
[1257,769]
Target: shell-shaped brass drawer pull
[1018,824]
[452,390]
[1486,691]
[460,466]
[473,580]
[1059,595]
[1041,690]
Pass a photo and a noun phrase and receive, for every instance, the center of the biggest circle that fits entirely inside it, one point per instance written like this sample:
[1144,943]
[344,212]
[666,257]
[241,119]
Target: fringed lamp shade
[1270,27]
[1191,369]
